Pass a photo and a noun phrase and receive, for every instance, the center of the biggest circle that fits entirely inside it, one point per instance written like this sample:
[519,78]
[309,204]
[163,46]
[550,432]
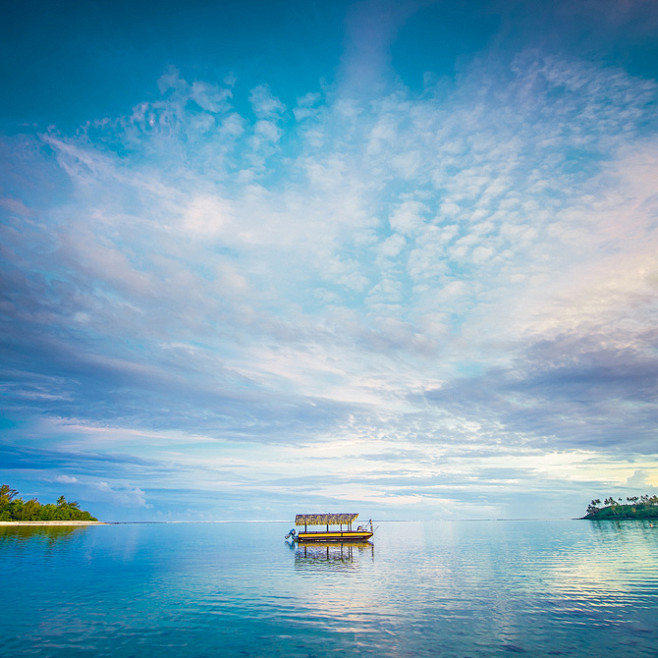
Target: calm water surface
[565,588]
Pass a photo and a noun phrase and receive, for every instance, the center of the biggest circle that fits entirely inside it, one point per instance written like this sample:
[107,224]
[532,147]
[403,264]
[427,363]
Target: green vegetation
[13,508]
[642,507]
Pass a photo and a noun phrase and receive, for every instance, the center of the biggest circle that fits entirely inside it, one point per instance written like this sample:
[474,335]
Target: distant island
[13,508]
[637,507]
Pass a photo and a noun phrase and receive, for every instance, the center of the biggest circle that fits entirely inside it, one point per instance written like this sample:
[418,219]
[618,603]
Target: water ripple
[437,589]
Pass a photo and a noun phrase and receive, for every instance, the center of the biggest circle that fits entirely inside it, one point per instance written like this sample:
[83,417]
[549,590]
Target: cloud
[451,272]
[126,497]
[572,391]
[67,479]
[639,479]
[408,217]
[264,104]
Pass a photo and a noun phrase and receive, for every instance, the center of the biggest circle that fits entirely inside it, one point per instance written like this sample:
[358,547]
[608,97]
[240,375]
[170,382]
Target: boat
[338,528]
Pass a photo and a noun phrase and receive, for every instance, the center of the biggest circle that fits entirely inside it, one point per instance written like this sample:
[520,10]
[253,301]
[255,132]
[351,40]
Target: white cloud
[392,246]
[407,218]
[124,496]
[251,285]
[267,130]
[307,106]
[265,105]
[210,97]
[206,216]
[66,479]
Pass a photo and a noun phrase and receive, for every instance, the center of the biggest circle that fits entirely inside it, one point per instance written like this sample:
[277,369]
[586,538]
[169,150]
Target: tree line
[636,507]
[13,508]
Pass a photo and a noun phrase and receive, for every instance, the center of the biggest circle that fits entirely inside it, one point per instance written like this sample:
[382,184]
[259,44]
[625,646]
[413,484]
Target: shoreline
[50,523]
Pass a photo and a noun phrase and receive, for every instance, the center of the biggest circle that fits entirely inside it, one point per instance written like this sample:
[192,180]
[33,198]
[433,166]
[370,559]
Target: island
[636,507]
[15,510]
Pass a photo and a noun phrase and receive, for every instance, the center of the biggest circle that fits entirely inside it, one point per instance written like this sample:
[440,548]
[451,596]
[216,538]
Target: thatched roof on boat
[324,519]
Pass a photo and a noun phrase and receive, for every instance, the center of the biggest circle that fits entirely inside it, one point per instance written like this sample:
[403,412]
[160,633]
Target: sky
[267,258]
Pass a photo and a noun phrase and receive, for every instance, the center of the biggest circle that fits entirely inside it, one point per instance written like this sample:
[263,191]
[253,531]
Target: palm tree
[7,494]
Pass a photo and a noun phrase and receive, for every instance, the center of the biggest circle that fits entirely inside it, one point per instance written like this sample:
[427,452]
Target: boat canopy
[324,519]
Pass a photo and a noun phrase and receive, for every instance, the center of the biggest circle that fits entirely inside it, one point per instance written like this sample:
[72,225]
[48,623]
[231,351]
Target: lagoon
[454,588]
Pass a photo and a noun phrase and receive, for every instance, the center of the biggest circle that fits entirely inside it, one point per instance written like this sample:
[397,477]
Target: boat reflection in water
[334,556]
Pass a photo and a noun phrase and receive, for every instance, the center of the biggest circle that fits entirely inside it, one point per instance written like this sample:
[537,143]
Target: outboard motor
[291,536]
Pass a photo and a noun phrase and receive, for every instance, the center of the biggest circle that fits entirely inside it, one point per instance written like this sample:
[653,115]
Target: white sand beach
[58,523]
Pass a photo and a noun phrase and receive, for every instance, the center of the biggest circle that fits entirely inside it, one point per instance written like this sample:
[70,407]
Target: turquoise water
[540,588]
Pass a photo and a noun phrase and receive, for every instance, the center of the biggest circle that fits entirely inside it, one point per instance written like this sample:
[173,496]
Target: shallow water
[543,588]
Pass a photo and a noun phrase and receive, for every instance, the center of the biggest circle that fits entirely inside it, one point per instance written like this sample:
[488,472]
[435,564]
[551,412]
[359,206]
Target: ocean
[479,588]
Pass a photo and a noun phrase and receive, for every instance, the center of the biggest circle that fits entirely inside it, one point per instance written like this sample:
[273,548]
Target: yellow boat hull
[338,536]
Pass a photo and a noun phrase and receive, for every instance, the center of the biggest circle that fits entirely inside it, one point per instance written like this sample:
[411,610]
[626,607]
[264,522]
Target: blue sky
[263,258]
